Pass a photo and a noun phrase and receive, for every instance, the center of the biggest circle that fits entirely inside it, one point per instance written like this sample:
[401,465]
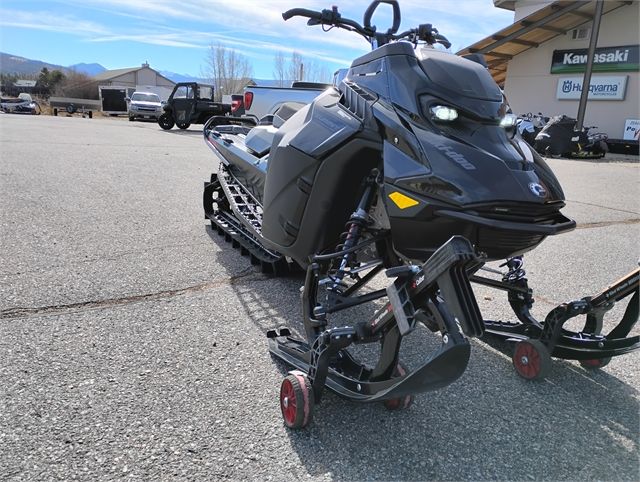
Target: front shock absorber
[356,224]
[516,271]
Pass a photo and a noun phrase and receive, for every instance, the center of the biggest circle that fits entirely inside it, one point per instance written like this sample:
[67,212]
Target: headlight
[443,113]
[509,120]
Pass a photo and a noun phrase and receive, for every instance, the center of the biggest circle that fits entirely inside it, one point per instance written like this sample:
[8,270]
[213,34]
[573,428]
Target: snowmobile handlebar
[327,17]
[332,17]
[368,14]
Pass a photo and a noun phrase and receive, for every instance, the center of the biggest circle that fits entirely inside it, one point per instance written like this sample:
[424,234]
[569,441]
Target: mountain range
[14,64]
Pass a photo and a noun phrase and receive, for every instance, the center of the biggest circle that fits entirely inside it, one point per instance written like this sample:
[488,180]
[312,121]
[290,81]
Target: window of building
[580,33]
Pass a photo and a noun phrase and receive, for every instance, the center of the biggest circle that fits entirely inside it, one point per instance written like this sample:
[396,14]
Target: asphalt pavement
[132,339]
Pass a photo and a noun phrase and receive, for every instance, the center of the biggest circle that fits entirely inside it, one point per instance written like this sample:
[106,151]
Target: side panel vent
[355,99]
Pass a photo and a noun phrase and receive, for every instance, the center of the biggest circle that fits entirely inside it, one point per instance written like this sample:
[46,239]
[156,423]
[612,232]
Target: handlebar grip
[368,14]
[441,39]
[301,12]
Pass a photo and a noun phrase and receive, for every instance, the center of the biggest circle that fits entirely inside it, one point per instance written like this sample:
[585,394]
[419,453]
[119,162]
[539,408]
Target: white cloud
[49,21]
[153,39]
[254,28]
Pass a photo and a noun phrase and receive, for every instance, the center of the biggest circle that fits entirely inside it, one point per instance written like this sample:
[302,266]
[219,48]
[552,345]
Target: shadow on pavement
[490,424]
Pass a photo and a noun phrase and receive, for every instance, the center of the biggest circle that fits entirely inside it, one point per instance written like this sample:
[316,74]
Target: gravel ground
[132,339]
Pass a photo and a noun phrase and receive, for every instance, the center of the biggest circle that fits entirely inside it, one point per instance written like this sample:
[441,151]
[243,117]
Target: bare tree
[79,85]
[229,71]
[279,71]
[295,69]
[317,72]
[299,68]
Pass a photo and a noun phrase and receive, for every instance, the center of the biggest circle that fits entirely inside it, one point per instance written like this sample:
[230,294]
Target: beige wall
[524,8]
[126,80]
[530,87]
[144,76]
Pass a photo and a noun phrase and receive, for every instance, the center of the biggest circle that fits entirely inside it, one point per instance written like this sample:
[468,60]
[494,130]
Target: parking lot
[132,339]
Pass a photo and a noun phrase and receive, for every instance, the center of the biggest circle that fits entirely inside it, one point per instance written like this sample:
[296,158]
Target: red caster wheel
[595,363]
[296,400]
[403,402]
[531,359]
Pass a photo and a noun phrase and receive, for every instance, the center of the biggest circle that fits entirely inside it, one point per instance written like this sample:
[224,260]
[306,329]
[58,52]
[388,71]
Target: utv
[191,103]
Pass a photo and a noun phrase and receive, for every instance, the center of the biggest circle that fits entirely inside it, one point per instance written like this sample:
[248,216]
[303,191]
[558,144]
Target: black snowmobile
[559,138]
[405,168]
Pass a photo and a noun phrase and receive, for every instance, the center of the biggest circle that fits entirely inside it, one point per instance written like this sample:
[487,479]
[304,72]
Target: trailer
[72,105]
[113,99]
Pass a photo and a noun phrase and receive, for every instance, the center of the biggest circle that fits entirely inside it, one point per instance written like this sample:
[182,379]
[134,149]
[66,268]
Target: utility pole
[301,72]
[586,81]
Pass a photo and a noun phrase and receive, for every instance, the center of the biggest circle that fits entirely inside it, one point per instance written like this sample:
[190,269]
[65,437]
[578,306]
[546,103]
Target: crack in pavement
[109,257]
[602,224]
[22,312]
[603,207]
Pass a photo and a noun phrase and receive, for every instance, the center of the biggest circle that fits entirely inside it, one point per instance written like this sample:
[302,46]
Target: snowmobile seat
[259,139]
[284,112]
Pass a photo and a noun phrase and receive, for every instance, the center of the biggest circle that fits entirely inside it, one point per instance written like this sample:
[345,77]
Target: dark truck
[191,103]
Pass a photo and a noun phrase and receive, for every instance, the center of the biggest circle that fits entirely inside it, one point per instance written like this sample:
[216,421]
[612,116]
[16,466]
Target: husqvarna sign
[600,88]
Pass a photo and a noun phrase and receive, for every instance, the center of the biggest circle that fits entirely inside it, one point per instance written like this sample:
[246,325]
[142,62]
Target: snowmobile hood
[483,166]
[468,160]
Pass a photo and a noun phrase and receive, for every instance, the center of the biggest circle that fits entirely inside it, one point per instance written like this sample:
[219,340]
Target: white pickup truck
[262,101]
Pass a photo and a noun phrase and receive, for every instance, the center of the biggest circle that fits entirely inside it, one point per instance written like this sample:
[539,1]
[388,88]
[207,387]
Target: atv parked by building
[191,103]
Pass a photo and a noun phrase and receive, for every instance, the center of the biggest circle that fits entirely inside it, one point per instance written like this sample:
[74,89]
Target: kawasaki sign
[605,59]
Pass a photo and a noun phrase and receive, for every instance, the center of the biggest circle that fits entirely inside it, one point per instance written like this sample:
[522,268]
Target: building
[540,61]
[20,86]
[137,78]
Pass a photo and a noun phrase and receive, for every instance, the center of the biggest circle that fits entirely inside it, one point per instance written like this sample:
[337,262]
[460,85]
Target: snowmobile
[410,167]
[559,138]
[529,125]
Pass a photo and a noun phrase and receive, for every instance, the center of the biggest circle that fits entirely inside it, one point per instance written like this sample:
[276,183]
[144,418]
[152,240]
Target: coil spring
[516,272]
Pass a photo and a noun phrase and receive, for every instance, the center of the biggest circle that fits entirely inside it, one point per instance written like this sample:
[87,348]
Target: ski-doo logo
[381,315]
[456,157]
[537,189]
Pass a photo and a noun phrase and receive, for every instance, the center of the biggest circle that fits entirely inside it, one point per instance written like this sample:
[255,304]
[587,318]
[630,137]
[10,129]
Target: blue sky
[174,35]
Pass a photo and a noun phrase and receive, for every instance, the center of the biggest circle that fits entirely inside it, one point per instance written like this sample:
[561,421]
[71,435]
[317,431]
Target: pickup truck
[262,101]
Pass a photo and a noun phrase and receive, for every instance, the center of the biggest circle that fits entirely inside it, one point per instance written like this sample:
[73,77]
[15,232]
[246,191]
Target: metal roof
[112,74]
[541,26]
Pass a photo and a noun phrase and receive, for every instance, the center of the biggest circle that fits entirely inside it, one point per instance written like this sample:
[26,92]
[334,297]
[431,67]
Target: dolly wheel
[403,402]
[296,400]
[595,363]
[531,359]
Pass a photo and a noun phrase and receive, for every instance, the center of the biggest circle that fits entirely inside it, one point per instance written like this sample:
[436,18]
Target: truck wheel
[131,118]
[183,125]
[71,108]
[166,121]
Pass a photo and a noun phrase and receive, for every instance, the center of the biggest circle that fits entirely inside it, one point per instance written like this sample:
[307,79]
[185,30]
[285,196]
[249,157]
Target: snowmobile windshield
[463,84]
